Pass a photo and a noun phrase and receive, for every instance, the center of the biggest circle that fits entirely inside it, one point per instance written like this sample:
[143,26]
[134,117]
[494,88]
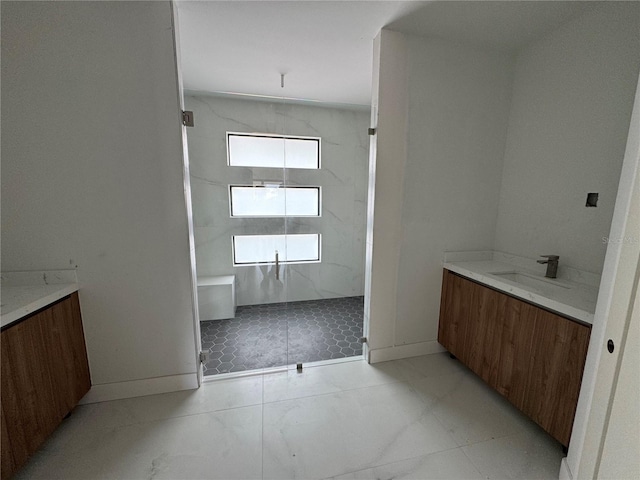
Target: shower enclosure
[279,202]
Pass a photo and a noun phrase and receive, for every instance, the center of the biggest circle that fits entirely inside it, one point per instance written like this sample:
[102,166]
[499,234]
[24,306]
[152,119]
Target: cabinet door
[455,306]
[28,401]
[499,340]
[532,357]
[8,465]
[516,340]
[482,342]
[64,345]
[44,375]
[559,353]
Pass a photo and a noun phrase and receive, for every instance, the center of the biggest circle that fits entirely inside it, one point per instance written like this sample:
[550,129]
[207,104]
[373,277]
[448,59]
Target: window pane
[252,249]
[274,151]
[300,202]
[248,151]
[274,201]
[302,247]
[257,201]
[301,153]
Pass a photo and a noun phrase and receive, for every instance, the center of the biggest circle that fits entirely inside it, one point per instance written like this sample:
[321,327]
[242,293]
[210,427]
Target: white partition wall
[92,179]
[442,113]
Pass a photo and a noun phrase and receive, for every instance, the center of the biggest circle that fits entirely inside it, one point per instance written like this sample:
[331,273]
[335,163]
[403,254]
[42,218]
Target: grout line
[406,381]
[473,463]
[145,422]
[341,390]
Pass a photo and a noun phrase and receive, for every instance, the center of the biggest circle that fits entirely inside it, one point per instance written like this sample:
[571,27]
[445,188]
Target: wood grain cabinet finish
[531,356]
[45,373]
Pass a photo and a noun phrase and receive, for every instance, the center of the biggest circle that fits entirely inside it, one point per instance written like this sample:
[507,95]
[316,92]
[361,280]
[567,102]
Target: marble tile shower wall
[343,178]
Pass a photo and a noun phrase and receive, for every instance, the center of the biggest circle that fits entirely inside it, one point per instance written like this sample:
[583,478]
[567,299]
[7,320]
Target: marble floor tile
[321,380]
[448,465]
[221,445]
[352,420]
[434,365]
[529,455]
[469,409]
[326,435]
[417,369]
[211,397]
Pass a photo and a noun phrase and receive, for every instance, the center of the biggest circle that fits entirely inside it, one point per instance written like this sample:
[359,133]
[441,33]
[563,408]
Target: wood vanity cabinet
[45,373]
[531,356]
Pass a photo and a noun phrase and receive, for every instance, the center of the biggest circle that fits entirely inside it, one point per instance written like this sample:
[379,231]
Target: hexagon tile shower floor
[272,335]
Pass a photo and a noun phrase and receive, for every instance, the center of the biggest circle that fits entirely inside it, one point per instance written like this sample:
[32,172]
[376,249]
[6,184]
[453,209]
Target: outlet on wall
[592,200]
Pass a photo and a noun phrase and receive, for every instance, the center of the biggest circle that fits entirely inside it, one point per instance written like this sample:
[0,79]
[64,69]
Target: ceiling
[325,48]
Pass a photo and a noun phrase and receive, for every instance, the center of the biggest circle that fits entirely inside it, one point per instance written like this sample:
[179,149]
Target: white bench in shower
[217,297]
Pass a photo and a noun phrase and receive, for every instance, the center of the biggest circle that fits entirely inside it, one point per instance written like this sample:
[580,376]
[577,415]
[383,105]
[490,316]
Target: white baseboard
[404,351]
[565,471]
[139,388]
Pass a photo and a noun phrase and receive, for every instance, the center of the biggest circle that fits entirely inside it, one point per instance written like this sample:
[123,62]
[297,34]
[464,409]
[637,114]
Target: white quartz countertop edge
[481,276]
[32,298]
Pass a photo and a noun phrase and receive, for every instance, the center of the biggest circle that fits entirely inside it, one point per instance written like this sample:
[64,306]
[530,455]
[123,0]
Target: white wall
[384,204]
[92,176]
[445,108]
[343,178]
[606,377]
[572,98]
[458,109]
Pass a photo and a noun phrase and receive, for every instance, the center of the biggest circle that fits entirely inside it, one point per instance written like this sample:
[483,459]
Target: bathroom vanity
[497,321]
[45,371]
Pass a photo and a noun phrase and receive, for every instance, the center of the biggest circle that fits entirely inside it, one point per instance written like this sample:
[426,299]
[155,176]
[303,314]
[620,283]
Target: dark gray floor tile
[271,335]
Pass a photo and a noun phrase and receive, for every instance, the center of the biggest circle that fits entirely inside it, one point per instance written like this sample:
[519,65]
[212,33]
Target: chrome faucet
[552,265]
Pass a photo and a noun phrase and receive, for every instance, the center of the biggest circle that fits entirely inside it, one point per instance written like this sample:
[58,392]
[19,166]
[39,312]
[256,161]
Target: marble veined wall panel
[342,176]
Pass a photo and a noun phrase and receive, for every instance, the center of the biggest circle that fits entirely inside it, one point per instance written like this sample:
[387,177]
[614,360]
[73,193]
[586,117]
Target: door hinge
[187,118]
[363,339]
[204,357]
[371,131]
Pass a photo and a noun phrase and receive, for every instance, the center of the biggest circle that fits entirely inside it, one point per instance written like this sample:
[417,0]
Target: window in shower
[274,200]
[273,151]
[261,249]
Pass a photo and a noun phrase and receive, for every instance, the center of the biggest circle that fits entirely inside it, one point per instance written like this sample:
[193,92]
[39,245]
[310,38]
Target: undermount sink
[537,283]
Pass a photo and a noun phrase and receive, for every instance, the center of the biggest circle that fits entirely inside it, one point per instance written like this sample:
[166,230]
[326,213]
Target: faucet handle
[551,257]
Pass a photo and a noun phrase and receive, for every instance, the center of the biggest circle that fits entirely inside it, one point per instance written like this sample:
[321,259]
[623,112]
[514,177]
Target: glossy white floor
[424,417]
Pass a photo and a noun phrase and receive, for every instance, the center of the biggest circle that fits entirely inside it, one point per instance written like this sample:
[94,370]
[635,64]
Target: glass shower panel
[325,298]
[256,201]
[279,210]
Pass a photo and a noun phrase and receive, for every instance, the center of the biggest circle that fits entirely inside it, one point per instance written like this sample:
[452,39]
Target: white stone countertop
[562,295]
[22,293]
